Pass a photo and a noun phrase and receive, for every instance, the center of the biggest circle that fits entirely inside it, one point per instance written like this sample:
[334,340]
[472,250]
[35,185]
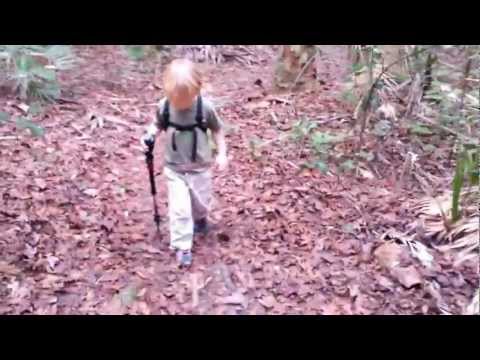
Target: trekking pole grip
[149,153]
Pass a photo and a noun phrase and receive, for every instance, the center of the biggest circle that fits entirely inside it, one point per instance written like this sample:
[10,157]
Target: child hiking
[185,117]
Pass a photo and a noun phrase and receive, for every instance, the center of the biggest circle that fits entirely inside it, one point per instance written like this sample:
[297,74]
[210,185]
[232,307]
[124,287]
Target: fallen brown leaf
[389,255]
[91,192]
[40,183]
[407,276]
[8,268]
[385,282]
[113,307]
[268,301]
[236,298]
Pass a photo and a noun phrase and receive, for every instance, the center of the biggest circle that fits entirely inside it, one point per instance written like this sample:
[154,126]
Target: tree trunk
[427,78]
[466,74]
[294,65]
[415,96]
[392,53]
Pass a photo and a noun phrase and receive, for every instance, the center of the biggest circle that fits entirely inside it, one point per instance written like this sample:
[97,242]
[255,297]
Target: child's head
[182,82]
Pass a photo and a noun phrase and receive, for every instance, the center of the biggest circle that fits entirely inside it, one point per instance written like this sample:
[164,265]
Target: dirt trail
[290,241]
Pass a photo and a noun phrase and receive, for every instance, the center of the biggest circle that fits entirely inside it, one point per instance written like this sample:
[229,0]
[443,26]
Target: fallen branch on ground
[446,129]
[116,121]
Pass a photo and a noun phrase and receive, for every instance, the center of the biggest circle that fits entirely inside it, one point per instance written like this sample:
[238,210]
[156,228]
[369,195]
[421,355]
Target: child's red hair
[182,82]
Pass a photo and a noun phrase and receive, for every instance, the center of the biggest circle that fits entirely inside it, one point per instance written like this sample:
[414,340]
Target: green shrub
[467,168]
[22,123]
[33,69]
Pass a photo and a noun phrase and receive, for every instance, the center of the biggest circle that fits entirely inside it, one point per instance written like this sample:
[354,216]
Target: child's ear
[206,88]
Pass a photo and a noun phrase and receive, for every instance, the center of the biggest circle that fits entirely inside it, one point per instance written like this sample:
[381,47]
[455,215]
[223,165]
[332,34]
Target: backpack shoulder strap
[199,115]
[165,116]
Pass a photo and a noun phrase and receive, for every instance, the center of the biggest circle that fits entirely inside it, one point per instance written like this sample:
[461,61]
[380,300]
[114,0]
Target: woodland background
[353,186]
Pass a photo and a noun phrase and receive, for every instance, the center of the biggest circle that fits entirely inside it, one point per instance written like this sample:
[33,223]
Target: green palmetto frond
[474,307]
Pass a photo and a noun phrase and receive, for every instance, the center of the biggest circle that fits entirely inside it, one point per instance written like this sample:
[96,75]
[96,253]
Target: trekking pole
[149,158]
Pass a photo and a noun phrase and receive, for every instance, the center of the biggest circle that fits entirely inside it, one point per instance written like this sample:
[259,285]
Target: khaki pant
[189,197]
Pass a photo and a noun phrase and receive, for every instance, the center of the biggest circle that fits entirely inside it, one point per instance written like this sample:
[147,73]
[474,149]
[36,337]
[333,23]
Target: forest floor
[76,221]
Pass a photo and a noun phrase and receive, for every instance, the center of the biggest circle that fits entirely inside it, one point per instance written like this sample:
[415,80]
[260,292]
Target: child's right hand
[144,140]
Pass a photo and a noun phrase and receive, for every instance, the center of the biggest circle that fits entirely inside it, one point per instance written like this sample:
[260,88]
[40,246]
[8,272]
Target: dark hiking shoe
[184,258]
[201,227]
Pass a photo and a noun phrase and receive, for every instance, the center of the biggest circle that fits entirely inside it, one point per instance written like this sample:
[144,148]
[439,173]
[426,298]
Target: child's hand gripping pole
[149,158]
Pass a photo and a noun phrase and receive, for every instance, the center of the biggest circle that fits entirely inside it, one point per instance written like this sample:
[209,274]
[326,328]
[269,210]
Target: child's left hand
[222,162]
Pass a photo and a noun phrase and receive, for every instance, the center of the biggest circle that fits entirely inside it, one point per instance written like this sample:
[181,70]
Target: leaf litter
[288,242]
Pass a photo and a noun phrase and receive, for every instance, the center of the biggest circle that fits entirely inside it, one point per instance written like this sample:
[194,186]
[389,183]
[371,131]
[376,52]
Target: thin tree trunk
[427,79]
[294,65]
[466,74]
[415,95]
